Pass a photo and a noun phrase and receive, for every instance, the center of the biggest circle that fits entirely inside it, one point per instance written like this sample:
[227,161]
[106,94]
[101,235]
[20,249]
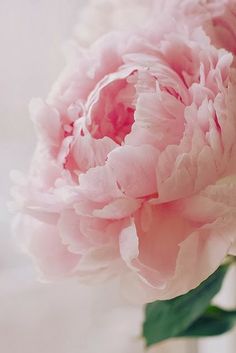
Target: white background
[64,317]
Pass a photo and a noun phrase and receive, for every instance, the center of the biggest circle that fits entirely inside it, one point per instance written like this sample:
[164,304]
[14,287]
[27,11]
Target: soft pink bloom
[134,172]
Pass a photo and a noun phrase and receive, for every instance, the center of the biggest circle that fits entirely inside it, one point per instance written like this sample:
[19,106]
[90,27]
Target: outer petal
[199,256]
[189,237]
[43,243]
[47,122]
[99,264]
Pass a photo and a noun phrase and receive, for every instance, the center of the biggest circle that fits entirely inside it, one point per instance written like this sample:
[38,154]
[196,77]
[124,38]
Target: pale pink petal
[199,256]
[42,241]
[99,184]
[70,233]
[139,179]
[88,152]
[118,209]
[103,262]
[201,252]
[101,231]
[47,122]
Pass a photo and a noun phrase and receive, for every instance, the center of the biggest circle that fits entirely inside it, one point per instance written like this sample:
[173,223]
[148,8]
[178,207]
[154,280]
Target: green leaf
[215,321]
[170,318]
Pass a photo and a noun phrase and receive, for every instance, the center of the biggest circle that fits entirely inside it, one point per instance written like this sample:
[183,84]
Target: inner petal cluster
[113,114]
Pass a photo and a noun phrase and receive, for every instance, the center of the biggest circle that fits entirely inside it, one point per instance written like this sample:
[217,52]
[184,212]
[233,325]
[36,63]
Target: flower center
[113,114]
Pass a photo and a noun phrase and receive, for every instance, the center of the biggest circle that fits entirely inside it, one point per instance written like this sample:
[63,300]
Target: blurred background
[64,317]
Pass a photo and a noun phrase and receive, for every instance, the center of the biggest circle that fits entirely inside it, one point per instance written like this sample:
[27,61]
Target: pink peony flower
[134,171]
